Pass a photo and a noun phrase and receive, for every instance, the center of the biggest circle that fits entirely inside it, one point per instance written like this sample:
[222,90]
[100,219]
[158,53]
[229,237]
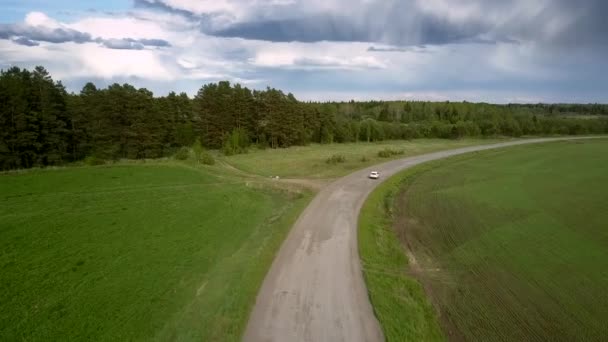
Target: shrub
[197,149]
[384,154]
[207,158]
[236,142]
[182,154]
[335,159]
[93,160]
[364,159]
[408,132]
[201,155]
[387,153]
[441,130]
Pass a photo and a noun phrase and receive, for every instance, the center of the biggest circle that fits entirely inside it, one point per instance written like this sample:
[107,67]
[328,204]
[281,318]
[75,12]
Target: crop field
[134,252]
[313,161]
[513,244]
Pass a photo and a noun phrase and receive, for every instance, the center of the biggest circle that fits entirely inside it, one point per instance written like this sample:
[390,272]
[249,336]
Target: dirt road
[315,290]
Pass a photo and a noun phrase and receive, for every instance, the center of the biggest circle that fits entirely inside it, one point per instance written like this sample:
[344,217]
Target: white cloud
[479,95]
[72,60]
[208,6]
[456,10]
[41,19]
[322,55]
[120,27]
[166,21]
[109,63]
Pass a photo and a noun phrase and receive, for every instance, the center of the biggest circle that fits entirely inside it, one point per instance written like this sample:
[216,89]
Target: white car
[374,175]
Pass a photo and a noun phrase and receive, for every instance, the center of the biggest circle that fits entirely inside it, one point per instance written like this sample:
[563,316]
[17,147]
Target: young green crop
[139,252]
[508,244]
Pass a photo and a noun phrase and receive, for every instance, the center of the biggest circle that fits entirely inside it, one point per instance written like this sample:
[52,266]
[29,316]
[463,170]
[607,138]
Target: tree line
[42,124]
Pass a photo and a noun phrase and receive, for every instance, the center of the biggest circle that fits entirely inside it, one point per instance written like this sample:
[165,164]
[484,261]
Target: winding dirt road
[315,290]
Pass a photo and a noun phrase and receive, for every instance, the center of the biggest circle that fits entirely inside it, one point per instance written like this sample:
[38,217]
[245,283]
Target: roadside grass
[508,244]
[311,161]
[398,299]
[141,251]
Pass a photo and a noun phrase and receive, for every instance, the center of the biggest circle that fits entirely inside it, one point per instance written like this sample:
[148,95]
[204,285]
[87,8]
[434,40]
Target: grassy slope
[399,301]
[309,161]
[511,244]
[134,252]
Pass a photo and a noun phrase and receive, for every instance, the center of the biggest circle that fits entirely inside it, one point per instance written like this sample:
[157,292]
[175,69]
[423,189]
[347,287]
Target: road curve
[314,290]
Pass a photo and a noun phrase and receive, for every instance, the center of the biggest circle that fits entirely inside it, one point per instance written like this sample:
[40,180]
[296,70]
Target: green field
[135,252]
[508,244]
[310,161]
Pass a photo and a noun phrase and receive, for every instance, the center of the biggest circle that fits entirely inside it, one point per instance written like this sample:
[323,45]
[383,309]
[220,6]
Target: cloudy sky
[475,50]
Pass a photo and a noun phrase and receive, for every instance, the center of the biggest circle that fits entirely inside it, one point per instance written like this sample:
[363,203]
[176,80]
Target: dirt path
[311,184]
[315,290]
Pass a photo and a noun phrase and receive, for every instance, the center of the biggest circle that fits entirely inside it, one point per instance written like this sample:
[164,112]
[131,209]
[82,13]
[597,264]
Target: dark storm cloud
[26,42]
[588,23]
[203,20]
[132,44]
[388,49]
[121,44]
[405,23]
[427,30]
[43,34]
[393,22]
[32,35]
[416,49]
[310,29]
[153,42]
[161,6]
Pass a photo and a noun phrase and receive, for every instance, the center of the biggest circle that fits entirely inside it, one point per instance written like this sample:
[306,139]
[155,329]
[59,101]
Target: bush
[197,149]
[387,153]
[93,160]
[207,158]
[201,155]
[182,154]
[384,154]
[442,130]
[262,142]
[335,159]
[236,142]
[364,159]
[409,132]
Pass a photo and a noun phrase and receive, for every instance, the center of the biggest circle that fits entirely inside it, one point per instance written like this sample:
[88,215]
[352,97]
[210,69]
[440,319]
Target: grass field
[310,161]
[134,252]
[509,244]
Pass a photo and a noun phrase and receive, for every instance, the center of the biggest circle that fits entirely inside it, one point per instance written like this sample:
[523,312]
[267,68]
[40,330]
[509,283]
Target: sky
[498,51]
